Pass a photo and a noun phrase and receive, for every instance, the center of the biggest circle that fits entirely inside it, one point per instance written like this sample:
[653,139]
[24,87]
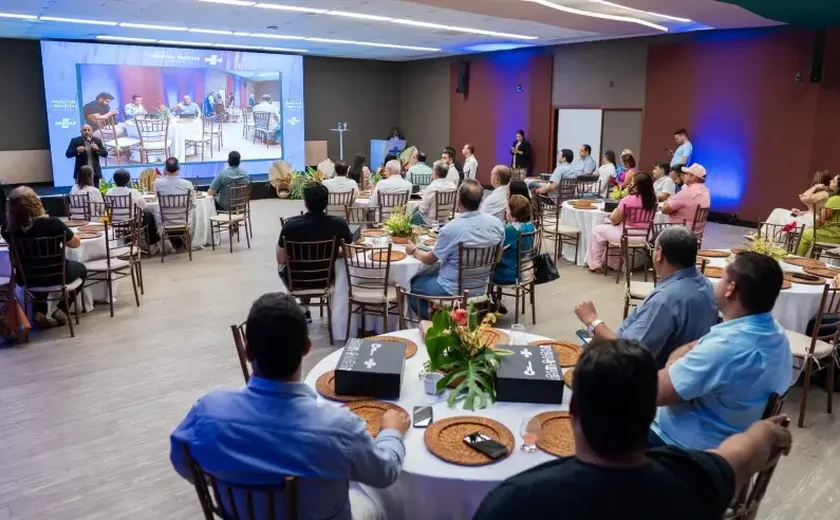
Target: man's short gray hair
[678,245]
[469,194]
[441,170]
[265,97]
[393,167]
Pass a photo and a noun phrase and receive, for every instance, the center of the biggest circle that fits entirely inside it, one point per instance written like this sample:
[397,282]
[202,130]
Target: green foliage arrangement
[398,224]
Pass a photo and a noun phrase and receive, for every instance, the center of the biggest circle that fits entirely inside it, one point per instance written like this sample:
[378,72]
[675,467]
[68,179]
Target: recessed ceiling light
[230,2]
[652,13]
[211,31]
[373,44]
[282,49]
[152,26]
[235,46]
[359,15]
[76,20]
[19,16]
[291,8]
[277,36]
[126,39]
[179,42]
[592,14]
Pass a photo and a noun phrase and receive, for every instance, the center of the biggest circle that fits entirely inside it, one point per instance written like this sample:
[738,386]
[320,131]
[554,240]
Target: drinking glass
[517,334]
[530,432]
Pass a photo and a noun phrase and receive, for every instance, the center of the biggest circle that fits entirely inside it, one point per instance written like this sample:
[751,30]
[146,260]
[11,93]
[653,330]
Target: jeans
[283,272]
[425,284]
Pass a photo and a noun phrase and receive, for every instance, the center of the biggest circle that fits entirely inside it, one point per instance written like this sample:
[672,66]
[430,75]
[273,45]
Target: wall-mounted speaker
[817,56]
[463,79]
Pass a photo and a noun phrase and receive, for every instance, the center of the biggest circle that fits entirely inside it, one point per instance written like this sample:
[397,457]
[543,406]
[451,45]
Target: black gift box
[610,205]
[530,375]
[356,231]
[370,368]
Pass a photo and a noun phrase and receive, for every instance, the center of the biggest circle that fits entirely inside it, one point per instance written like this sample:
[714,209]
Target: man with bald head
[473,228]
[87,149]
[187,108]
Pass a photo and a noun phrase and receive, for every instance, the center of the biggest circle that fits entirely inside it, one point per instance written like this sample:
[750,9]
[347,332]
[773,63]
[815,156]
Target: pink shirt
[632,201]
[686,202]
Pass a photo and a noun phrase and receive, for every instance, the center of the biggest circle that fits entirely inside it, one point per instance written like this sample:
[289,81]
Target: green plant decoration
[104,186]
[398,224]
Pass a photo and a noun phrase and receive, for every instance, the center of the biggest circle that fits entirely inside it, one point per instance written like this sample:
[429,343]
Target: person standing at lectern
[87,150]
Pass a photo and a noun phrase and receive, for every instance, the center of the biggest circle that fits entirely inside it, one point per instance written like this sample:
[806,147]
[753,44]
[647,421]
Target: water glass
[517,334]
[530,431]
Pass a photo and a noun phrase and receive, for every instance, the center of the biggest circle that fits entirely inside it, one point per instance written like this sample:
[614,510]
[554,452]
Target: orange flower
[459,316]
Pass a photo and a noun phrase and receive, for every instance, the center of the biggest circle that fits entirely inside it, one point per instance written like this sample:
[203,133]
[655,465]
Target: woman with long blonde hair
[28,220]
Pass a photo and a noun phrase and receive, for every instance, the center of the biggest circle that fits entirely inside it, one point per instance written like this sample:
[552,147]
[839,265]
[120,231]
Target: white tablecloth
[796,306]
[428,487]
[180,130]
[586,220]
[200,225]
[412,205]
[401,274]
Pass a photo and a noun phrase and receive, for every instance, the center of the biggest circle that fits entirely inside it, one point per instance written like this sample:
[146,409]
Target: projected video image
[147,104]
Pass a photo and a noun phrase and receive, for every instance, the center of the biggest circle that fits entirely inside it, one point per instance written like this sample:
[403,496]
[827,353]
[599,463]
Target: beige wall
[424,105]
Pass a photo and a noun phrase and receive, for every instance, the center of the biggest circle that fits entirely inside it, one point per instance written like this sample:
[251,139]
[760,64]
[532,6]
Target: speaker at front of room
[817,56]
[462,85]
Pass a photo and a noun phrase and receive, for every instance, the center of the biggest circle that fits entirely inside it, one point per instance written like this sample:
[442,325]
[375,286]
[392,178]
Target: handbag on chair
[545,270]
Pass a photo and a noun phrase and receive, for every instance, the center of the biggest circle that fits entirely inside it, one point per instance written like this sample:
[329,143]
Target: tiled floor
[84,422]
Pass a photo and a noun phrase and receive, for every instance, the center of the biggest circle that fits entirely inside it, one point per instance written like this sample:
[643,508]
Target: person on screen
[275,129]
[251,101]
[87,149]
[135,108]
[98,111]
[187,108]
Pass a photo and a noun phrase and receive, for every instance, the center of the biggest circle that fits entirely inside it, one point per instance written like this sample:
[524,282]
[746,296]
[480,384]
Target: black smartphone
[482,443]
[422,416]
[584,336]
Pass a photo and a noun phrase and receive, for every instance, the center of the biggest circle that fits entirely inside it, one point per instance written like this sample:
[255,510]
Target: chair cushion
[800,344]
[561,229]
[374,294]
[102,265]
[227,217]
[56,288]
[123,142]
[640,290]
[155,145]
[311,292]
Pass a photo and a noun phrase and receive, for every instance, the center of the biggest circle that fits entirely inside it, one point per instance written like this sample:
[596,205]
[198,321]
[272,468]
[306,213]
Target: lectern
[379,148]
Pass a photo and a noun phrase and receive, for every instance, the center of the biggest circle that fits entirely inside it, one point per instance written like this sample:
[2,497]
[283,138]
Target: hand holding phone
[482,443]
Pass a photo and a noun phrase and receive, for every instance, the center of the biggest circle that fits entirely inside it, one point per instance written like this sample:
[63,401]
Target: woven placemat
[374,233]
[568,377]
[88,235]
[584,208]
[557,437]
[445,439]
[410,346]
[495,337]
[805,278]
[567,353]
[396,256]
[713,272]
[92,227]
[372,411]
[803,262]
[825,272]
[738,250]
[325,385]
[76,223]
[786,284]
[430,241]
[713,253]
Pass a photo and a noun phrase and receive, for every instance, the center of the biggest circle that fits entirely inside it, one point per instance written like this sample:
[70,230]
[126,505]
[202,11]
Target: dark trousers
[152,235]
[654,441]
[73,271]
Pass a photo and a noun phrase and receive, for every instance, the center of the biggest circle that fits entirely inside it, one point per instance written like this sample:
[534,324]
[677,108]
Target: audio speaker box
[817,56]
[463,80]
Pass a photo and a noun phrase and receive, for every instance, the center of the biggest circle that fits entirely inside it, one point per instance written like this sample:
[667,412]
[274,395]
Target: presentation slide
[150,103]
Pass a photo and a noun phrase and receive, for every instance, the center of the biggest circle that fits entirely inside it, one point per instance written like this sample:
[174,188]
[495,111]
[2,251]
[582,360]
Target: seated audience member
[584,164]
[496,203]
[679,310]
[419,167]
[172,184]
[629,171]
[459,166]
[720,385]
[135,108]
[392,182]
[814,199]
[828,225]
[243,436]
[612,475]
[358,171]
[519,221]
[674,173]
[563,171]
[641,196]
[518,188]
[682,207]
[122,181]
[454,175]
[233,174]
[426,214]
[27,219]
[606,172]
[187,108]
[84,186]
[473,228]
[620,169]
[313,226]
[662,183]
[341,183]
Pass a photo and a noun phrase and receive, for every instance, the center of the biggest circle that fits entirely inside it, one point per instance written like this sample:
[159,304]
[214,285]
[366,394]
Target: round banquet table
[205,207]
[586,220]
[412,205]
[180,131]
[400,274]
[796,306]
[429,487]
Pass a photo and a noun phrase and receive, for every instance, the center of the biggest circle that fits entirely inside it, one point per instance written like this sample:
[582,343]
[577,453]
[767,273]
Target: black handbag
[544,268]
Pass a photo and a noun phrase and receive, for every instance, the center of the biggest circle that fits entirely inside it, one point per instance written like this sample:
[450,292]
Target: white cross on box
[370,363]
[525,352]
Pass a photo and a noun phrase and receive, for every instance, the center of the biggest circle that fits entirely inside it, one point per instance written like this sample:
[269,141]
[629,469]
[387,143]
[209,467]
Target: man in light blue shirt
[585,164]
[682,155]
[419,170]
[563,171]
[135,108]
[472,228]
[721,385]
[275,427]
[187,108]
[680,309]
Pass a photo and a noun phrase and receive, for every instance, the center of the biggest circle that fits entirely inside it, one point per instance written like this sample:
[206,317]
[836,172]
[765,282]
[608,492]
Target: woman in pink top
[630,170]
[641,195]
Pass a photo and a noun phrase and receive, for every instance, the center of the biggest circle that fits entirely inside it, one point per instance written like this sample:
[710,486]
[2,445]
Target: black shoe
[308,316]
[502,309]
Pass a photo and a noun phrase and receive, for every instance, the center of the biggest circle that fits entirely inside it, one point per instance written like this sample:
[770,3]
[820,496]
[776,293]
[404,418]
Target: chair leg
[349,320]
[830,383]
[108,281]
[247,231]
[164,241]
[804,401]
[329,319]
[188,235]
[213,234]
[626,306]
[516,310]
[230,235]
[532,290]
[139,265]
[67,306]
[134,286]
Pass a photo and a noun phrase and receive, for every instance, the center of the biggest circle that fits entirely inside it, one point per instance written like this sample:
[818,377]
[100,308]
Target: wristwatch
[593,325]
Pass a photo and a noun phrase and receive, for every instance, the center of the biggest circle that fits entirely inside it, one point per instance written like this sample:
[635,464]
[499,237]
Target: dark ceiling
[813,13]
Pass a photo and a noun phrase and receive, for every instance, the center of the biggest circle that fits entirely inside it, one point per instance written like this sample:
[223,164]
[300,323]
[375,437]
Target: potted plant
[459,348]
[399,226]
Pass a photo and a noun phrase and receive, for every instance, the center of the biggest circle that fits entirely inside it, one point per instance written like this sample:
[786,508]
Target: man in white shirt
[274,126]
[341,183]
[418,168]
[470,163]
[393,183]
[172,184]
[497,202]
[122,181]
[135,108]
[427,212]
[663,185]
[187,108]
[452,174]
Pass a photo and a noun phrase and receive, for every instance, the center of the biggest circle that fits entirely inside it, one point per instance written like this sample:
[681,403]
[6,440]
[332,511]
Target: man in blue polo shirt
[680,309]
[721,385]
[682,155]
[565,170]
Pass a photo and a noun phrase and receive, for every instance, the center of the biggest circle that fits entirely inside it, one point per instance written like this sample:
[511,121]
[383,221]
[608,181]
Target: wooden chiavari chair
[339,201]
[701,215]
[525,284]
[775,234]
[175,213]
[389,201]
[309,266]
[421,179]
[122,207]
[475,268]
[445,201]
[114,144]
[240,340]
[413,308]
[77,207]
[548,222]
[154,138]
[262,123]
[369,289]
[635,235]
[233,218]
[363,215]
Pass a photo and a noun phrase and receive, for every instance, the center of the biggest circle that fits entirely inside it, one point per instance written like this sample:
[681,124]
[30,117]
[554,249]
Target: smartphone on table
[422,416]
[482,443]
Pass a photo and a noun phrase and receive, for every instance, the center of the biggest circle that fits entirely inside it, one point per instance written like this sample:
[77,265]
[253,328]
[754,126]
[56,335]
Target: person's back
[420,168]
[172,184]
[521,213]
[341,183]
[233,174]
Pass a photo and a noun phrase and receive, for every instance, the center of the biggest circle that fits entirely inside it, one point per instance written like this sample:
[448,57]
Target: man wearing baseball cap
[693,195]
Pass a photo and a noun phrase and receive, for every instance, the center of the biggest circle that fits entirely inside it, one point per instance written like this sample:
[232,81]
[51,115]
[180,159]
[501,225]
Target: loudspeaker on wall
[463,77]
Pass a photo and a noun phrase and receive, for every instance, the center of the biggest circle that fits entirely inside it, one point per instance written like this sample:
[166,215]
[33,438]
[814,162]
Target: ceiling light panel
[290,8]
[19,16]
[153,27]
[593,14]
[75,20]
[125,39]
[360,16]
[211,31]
[640,11]
[242,3]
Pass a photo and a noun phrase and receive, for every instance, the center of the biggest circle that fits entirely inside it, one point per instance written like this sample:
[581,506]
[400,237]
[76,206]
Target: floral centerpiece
[398,224]
[459,348]
[375,178]
[767,247]
[104,186]
[617,193]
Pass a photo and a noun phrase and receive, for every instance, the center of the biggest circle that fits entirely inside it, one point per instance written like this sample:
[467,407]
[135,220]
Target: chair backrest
[338,202]
[77,207]
[109,133]
[587,187]
[240,341]
[127,232]
[825,328]
[701,215]
[262,120]
[229,502]
[239,193]
[39,258]
[445,205]
[775,234]
[567,190]
[637,222]
[122,207]
[527,251]
[310,264]
[548,211]
[421,179]
[154,133]
[362,215]
[174,209]
[364,273]
[391,199]
[659,227]
[475,266]
[412,306]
